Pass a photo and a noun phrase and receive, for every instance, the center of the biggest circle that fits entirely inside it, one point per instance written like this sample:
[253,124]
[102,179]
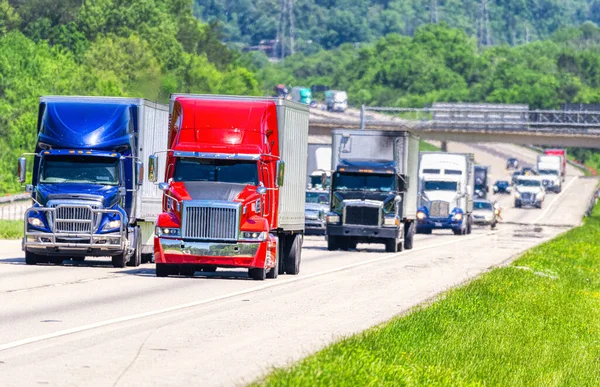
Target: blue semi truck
[89,195]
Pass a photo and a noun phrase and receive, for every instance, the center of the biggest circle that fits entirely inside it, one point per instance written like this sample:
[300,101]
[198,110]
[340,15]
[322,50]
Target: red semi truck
[563,154]
[234,186]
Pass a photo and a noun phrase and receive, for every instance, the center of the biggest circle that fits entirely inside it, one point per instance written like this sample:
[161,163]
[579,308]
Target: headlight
[497,212]
[457,216]
[35,222]
[112,225]
[333,218]
[253,235]
[421,215]
[391,221]
[517,195]
[167,231]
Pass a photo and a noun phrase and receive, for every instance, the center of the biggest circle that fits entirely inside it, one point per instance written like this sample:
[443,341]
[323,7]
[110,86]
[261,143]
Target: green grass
[426,147]
[533,323]
[11,229]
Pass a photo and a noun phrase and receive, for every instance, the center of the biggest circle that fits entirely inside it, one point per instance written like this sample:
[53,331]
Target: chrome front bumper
[74,241]
[209,249]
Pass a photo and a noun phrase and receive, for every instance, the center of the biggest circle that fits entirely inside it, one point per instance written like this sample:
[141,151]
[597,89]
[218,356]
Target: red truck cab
[224,203]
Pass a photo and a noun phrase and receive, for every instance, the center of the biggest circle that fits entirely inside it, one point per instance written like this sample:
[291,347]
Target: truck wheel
[409,234]
[391,245]
[257,274]
[292,261]
[517,204]
[457,231]
[147,258]
[344,243]
[119,261]
[538,205]
[162,270]
[187,270]
[352,244]
[469,227]
[136,259]
[332,244]
[31,258]
[209,269]
[274,272]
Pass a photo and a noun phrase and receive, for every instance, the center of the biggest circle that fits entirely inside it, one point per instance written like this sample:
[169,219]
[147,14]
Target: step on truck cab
[234,189]
[87,184]
[446,186]
[373,189]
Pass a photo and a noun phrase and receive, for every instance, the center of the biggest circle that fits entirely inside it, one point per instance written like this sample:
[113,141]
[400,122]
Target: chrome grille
[312,215]
[439,209]
[216,223]
[527,196]
[362,215]
[74,219]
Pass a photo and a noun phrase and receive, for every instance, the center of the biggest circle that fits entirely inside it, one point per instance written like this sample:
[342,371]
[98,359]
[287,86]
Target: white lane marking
[549,207]
[34,339]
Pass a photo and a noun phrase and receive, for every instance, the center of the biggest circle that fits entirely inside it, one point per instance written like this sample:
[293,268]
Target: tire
[136,259]
[391,245]
[119,261]
[352,244]
[31,258]
[257,274]
[147,258]
[539,205]
[209,269]
[187,270]
[427,232]
[344,243]
[457,231]
[292,261]
[274,272]
[162,270]
[517,204]
[409,234]
[332,243]
[78,259]
[469,227]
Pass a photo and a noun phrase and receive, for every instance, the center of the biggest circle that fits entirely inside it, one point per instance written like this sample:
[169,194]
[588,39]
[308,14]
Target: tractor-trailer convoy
[87,184]
[234,190]
[446,185]
[373,189]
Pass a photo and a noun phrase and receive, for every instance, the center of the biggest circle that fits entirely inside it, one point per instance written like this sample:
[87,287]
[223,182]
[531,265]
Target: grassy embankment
[427,147]
[11,229]
[535,322]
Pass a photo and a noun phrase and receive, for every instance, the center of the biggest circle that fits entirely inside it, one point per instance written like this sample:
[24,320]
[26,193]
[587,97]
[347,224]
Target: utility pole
[484,33]
[287,27]
[292,25]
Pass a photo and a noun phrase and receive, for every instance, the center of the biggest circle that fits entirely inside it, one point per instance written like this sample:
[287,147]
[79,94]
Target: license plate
[438,225]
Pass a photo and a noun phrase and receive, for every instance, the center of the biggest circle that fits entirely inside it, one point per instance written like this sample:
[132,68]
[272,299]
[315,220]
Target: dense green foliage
[533,323]
[443,64]
[331,23]
[142,48]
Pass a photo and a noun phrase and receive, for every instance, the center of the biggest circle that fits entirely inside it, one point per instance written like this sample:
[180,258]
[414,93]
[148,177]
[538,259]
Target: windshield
[502,182]
[440,186]
[225,171]
[359,182]
[482,205]
[547,172]
[530,183]
[80,169]
[317,181]
[317,197]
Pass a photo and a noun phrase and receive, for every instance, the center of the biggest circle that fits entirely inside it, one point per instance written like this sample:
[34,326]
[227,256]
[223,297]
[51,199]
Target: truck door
[268,197]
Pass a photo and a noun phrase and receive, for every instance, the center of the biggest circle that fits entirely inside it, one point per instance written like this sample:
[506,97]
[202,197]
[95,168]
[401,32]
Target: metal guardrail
[13,207]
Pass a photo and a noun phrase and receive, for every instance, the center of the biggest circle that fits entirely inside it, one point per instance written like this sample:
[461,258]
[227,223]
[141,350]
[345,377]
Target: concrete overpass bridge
[474,123]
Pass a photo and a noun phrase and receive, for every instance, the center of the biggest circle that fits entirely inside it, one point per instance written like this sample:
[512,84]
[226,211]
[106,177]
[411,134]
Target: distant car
[484,213]
[315,210]
[515,176]
[512,163]
[528,171]
[502,187]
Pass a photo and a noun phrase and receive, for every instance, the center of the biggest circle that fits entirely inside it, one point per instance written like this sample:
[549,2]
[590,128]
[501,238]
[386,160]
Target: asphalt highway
[90,324]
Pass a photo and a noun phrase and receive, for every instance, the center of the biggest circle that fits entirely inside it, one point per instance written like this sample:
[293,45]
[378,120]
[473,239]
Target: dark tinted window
[80,169]
[361,181]
[440,186]
[226,171]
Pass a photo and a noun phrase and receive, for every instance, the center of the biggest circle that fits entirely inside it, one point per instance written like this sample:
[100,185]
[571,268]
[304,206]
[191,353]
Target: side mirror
[163,186]
[280,173]
[152,168]
[139,170]
[22,170]
[261,190]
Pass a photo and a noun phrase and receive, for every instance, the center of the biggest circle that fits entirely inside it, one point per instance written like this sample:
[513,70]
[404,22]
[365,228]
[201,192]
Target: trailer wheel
[136,258]
[257,274]
[469,225]
[292,261]
[409,234]
[31,258]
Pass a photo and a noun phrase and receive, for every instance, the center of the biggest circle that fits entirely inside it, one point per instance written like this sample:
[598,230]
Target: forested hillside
[330,23]
[142,48]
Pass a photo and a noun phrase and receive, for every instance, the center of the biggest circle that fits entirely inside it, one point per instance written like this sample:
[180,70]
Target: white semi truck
[446,186]
[550,169]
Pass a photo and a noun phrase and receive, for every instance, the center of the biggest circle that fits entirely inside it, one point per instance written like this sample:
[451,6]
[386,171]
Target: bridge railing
[485,117]
[13,207]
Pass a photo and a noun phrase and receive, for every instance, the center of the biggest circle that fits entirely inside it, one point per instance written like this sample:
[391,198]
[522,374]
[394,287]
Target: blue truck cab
[89,197]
